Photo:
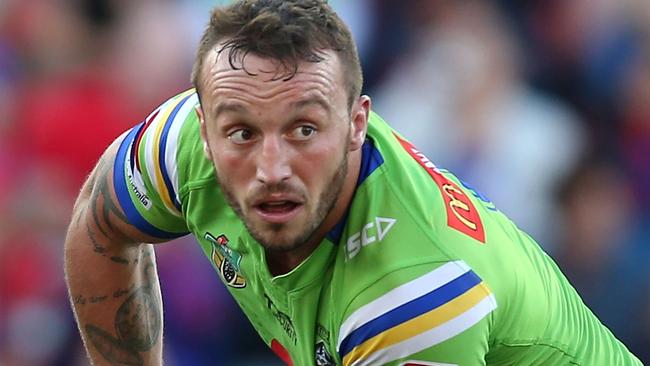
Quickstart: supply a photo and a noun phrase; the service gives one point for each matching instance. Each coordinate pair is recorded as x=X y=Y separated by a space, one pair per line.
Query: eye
x=303 y=132
x=241 y=136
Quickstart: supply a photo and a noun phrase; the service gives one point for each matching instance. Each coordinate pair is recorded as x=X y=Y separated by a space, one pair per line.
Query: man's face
x=279 y=147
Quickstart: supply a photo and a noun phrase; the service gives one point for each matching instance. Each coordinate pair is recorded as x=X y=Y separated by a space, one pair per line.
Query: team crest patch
x=227 y=261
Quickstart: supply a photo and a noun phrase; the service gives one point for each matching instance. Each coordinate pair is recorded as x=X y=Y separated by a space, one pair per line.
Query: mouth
x=278 y=211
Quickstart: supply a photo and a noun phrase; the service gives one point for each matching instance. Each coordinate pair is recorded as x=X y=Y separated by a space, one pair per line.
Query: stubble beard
x=326 y=202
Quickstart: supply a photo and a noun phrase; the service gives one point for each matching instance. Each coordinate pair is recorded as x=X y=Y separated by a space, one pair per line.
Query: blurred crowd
x=543 y=106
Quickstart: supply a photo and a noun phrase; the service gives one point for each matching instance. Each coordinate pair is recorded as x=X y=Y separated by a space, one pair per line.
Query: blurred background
x=544 y=106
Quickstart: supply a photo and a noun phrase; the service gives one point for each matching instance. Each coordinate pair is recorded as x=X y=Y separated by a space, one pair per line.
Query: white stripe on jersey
x=149 y=147
x=172 y=141
x=431 y=337
x=401 y=295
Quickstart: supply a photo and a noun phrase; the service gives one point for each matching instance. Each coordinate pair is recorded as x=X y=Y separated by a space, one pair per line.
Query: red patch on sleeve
x=461 y=212
x=281 y=352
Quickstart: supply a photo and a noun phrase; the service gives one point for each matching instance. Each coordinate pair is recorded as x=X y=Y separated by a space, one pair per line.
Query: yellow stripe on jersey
x=159 y=181
x=423 y=323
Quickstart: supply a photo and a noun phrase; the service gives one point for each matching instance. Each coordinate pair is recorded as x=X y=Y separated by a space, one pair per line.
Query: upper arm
x=99 y=207
x=133 y=189
x=440 y=316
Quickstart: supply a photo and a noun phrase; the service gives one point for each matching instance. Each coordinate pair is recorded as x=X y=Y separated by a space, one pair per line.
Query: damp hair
x=288 y=32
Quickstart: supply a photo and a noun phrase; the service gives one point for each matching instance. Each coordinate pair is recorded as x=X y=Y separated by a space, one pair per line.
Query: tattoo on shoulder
x=138 y=322
x=104 y=210
x=102 y=188
x=97 y=247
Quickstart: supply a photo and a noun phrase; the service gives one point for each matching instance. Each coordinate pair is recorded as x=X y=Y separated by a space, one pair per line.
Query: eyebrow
x=224 y=107
x=312 y=100
x=235 y=107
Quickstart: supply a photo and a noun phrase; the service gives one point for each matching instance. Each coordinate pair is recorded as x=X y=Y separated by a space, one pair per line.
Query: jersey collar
x=371 y=159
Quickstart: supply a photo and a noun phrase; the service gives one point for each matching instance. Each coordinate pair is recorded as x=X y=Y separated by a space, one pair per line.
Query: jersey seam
x=527 y=343
x=423 y=227
x=186 y=188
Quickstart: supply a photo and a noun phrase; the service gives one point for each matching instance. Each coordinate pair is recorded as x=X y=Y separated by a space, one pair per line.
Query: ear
x=359 y=122
x=204 y=131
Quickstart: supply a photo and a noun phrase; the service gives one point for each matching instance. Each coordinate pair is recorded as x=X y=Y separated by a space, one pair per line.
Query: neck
x=283 y=262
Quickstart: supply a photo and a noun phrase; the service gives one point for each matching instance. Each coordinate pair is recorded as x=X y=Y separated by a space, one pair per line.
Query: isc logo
x=371 y=232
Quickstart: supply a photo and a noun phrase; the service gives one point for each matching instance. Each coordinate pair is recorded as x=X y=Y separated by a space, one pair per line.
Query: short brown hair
x=289 y=31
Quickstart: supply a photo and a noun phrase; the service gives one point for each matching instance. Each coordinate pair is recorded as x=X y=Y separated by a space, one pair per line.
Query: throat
x=282 y=262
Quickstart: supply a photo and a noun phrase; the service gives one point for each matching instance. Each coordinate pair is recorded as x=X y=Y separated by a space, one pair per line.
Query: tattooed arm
x=111 y=277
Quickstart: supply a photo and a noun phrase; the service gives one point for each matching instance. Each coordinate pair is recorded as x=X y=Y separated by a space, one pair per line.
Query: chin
x=281 y=243
x=280 y=240
x=283 y=237
x=280 y=247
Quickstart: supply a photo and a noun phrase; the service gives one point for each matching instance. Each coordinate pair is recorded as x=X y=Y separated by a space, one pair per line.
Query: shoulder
x=435 y=198
x=146 y=168
x=168 y=144
x=167 y=125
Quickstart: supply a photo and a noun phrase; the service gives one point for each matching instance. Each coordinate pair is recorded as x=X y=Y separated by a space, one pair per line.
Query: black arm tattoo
x=98 y=299
x=113 y=349
x=119 y=260
x=104 y=209
x=102 y=188
x=138 y=322
x=97 y=247
x=121 y=292
x=94 y=299
x=79 y=300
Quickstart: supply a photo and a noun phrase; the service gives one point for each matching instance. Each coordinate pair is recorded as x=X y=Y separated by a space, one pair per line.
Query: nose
x=273 y=165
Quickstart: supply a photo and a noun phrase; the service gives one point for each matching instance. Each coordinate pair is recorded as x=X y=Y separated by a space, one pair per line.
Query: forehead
x=267 y=79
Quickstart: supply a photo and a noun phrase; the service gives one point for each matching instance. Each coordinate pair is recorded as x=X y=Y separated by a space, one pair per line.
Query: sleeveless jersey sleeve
x=441 y=317
x=146 y=178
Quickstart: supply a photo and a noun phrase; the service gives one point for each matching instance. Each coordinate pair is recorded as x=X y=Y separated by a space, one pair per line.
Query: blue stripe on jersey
x=410 y=310
x=335 y=234
x=123 y=196
x=163 y=149
x=371 y=159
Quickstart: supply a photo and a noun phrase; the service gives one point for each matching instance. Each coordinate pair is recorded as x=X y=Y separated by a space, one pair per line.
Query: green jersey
x=422 y=270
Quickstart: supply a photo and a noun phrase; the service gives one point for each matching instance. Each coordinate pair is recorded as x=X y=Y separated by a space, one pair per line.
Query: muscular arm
x=111 y=277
